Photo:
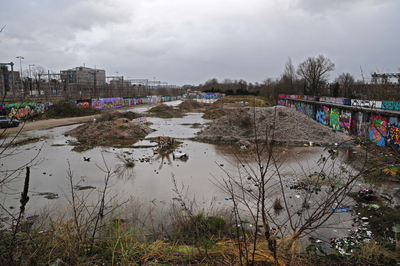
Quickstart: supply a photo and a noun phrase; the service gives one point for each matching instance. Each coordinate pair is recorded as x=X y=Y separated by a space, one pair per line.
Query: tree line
x=312 y=77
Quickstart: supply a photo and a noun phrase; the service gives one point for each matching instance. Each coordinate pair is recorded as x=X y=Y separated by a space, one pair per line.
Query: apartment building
x=84 y=75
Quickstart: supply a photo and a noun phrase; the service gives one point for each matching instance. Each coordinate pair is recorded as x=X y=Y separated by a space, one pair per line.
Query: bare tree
x=289 y=82
x=346 y=82
x=315 y=73
x=290 y=71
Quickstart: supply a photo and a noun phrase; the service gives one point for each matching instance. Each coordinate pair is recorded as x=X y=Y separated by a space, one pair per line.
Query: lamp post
x=20 y=64
x=30 y=78
x=20 y=72
x=30 y=70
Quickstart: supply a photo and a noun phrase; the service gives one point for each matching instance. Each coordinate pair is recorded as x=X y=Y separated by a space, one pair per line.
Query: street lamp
x=30 y=79
x=20 y=64
x=30 y=70
x=20 y=72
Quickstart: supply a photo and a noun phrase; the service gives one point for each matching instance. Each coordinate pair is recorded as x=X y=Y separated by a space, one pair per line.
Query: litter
x=297 y=196
x=180 y=155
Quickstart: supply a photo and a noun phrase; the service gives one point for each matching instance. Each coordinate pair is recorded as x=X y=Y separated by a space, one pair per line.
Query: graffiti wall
x=309 y=110
x=345 y=121
x=300 y=107
x=360 y=124
x=393 y=131
x=107 y=103
x=377 y=131
x=322 y=114
x=127 y=102
x=334 y=119
x=391 y=105
x=84 y=103
x=24 y=110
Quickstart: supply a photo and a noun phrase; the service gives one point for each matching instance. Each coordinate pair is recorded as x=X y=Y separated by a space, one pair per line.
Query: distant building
x=84 y=75
x=6 y=77
x=120 y=82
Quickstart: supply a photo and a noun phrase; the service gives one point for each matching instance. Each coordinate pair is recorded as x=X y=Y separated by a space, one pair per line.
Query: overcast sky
x=191 y=41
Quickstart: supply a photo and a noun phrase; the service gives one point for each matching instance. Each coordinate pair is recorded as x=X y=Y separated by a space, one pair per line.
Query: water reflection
x=165 y=158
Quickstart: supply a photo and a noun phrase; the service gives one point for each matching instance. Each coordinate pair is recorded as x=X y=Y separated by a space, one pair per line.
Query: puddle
x=150 y=180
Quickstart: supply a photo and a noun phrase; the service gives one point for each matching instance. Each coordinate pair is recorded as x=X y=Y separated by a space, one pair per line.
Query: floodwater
x=150 y=180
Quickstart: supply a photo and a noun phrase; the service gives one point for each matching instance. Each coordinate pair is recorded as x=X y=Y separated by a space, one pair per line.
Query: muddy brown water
x=149 y=181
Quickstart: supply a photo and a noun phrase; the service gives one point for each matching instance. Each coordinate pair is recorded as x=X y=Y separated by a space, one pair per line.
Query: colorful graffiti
x=24 y=110
x=83 y=103
x=345 y=121
x=391 y=105
x=300 y=107
x=107 y=103
x=360 y=124
x=377 y=131
x=334 y=119
x=393 y=131
x=309 y=110
x=322 y=114
x=394 y=134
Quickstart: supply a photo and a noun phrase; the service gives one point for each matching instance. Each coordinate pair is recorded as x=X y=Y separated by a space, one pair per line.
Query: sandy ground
x=279 y=123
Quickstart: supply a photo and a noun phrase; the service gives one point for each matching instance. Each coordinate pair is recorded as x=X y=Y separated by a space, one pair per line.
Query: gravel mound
x=279 y=123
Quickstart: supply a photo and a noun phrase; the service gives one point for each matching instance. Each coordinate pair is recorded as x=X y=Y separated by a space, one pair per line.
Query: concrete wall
x=368 y=119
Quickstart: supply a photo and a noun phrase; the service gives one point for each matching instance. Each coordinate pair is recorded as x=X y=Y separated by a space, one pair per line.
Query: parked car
x=6 y=121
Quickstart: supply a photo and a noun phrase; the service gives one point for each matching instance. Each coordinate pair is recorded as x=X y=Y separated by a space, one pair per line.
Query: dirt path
x=50 y=123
